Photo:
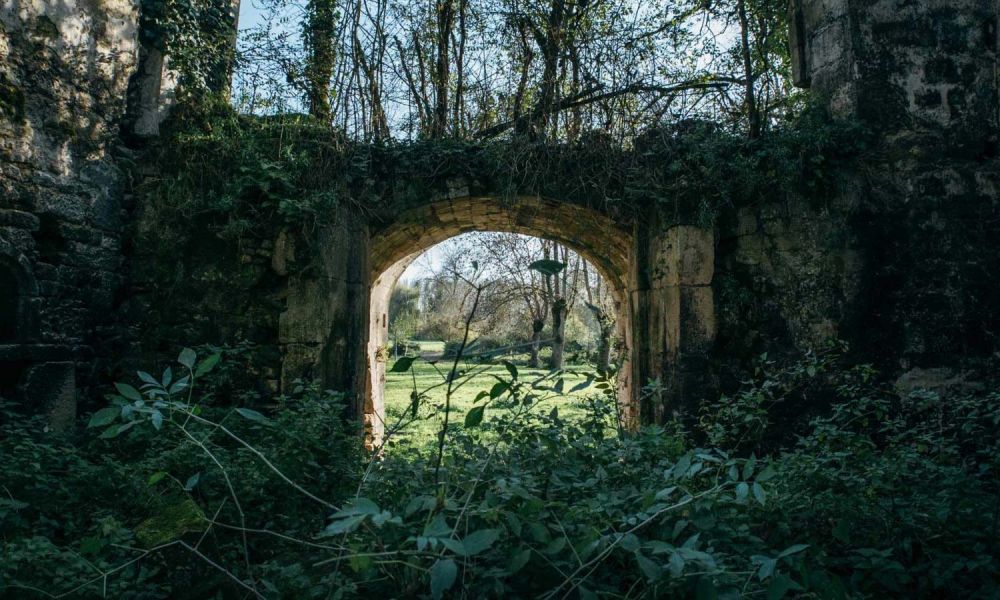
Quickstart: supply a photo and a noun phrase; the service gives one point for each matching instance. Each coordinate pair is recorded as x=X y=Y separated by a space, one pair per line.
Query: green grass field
x=398 y=387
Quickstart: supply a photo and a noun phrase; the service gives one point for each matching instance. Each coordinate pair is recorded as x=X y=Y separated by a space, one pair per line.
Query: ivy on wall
x=248 y=176
x=197 y=35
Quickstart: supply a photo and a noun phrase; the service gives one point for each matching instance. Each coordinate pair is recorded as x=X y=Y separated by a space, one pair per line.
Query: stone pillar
x=674 y=320
x=322 y=331
x=922 y=76
x=929 y=65
x=151 y=94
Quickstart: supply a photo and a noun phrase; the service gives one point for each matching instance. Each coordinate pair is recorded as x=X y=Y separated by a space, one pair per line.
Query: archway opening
x=491 y=305
x=582 y=236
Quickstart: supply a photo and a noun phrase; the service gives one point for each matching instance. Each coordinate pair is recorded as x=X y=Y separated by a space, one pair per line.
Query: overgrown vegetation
x=170 y=493
x=248 y=176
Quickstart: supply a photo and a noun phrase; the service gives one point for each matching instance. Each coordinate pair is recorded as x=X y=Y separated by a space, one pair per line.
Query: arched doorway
x=603 y=242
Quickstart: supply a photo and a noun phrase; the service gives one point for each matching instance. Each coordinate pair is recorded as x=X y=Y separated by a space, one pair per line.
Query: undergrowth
x=175 y=494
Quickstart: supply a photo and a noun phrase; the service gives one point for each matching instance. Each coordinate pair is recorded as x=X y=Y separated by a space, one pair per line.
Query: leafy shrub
x=878 y=495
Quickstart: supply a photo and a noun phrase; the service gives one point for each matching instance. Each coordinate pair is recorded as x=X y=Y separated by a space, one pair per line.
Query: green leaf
x=187 y=358
x=192 y=482
x=116 y=430
x=781 y=584
x=147 y=378
x=157 y=419
x=403 y=364
x=682 y=466
x=518 y=561
x=650 y=569
x=104 y=416
x=767 y=566
x=479 y=541
x=179 y=385
x=475 y=415
x=358 y=506
x=742 y=491
x=454 y=545
x=555 y=546
x=511 y=369
x=676 y=565
x=437 y=527
x=547 y=266
x=582 y=385
x=156 y=478
x=128 y=391
x=207 y=364
x=360 y=563
x=759 y=494
x=793 y=550
x=767 y=474
x=345 y=525
x=252 y=415
x=443 y=575
x=665 y=492
x=498 y=389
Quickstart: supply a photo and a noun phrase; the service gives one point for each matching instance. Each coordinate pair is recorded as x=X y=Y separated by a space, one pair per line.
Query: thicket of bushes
x=178 y=491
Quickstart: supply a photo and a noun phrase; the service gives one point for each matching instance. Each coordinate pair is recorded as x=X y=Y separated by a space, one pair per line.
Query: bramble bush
x=878 y=494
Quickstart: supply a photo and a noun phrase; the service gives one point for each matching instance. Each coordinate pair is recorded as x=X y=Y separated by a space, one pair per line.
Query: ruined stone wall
x=64 y=68
x=900 y=261
x=927 y=84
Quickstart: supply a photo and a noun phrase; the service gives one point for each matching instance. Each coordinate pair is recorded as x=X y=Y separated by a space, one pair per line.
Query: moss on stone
x=46 y=27
x=12 y=100
x=170 y=523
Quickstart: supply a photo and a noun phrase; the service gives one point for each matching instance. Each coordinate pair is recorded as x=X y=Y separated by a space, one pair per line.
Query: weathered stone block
x=51 y=388
x=684 y=255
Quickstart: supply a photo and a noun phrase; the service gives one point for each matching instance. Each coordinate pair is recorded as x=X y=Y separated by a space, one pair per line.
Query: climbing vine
x=249 y=175
x=198 y=36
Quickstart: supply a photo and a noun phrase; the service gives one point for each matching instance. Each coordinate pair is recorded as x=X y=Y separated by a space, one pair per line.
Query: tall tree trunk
x=442 y=69
x=321 y=19
x=559 y=313
x=750 y=100
x=550 y=43
x=537 y=326
x=458 y=117
x=606 y=328
x=604 y=348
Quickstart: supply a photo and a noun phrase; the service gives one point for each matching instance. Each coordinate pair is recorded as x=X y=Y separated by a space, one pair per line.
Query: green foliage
x=877 y=495
x=249 y=176
x=198 y=36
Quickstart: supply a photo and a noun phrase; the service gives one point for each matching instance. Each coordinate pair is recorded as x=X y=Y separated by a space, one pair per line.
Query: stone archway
x=605 y=243
x=661 y=272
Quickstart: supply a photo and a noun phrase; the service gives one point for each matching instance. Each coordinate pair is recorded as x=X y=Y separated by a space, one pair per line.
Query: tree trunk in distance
x=536 y=341
x=559 y=310
x=604 y=349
